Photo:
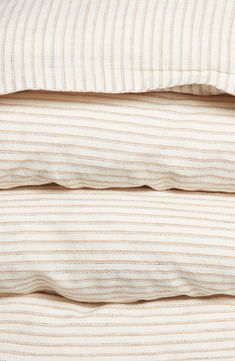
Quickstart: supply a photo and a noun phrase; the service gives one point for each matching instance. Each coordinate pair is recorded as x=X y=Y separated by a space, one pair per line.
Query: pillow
x=116 y=245
x=117 y=46
x=47 y=327
x=163 y=140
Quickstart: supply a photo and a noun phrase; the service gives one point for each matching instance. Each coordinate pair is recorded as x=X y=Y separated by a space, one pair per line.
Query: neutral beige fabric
x=116 y=246
x=117 y=45
x=164 y=140
x=41 y=327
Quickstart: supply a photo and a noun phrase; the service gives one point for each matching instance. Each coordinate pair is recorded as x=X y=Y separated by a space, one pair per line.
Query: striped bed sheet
x=116 y=245
x=163 y=140
x=117 y=46
x=117 y=180
x=46 y=327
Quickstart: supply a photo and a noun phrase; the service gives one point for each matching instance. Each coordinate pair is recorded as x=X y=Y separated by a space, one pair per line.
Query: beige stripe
x=88 y=249
x=33 y=43
x=45 y=29
x=56 y=332
x=94 y=43
x=148 y=64
x=161 y=42
x=53 y=37
x=3 y=42
x=156 y=139
x=74 y=43
x=104 y=31
x=132 y=41
x=22 y=46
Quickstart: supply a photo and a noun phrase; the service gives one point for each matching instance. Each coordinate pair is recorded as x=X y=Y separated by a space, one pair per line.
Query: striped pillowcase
x=45 y=327
x=116 y=245
x=117 y=46
x=163 y=140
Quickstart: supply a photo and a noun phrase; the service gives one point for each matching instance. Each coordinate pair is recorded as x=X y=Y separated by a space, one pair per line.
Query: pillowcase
x=47 y=327
x=117 y=46
x=116 y=245
x=163 y=140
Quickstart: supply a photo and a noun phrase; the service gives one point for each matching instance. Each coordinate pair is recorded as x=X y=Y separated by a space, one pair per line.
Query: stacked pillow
x=117 y=169
x=162 y=140
x=117 y=245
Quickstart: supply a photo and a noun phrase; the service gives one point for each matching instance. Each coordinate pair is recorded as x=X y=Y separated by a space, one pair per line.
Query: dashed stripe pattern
x=116 y=245
x=117 y=46
x=163 y=140
x=47 y=327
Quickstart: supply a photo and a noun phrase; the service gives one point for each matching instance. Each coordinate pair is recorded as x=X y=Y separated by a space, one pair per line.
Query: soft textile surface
x=164 y=140
x=42 y=327
x=117 y=46
x=116 y=246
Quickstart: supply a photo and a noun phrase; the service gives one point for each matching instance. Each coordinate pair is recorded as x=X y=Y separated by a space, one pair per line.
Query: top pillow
x=117 y=46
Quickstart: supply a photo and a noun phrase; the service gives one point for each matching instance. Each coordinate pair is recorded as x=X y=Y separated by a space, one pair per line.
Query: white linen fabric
x=163 y=140
x=117 y=46
x=116 y=245
x=62 y=63
x=46 y=327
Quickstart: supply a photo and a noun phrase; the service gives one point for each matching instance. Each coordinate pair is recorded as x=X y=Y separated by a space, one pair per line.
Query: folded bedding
x=46 y=327
x=116 y=245
x=117 y=180
x=163 y=140
x=117 y=46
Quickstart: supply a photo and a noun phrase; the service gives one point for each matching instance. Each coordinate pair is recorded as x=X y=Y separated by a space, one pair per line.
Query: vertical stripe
x=117 y=46
x=190 y=65
x=23 y=78
x=83 y=37
x=132 y=42
x=3 y=16
x=220 y=41
x=172 y=27
x=93 y=67
x=210 y=36
x=33 y=43
x=201 y=29
x=161 y=44
x=181 y=44
x=142 y=48
x=74 y=43
x=229 y=46
x=53 y=43
x=102 y=60
x=64 y=33
x=5 y=31
x=45 y=28
x=122 y=46
x=113 y=45
x=154 y=23
x=13 y=52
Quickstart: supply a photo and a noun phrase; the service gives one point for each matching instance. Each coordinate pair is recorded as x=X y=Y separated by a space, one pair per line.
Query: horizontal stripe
x=48 y=326
x=78 y=141
x=116 y=245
